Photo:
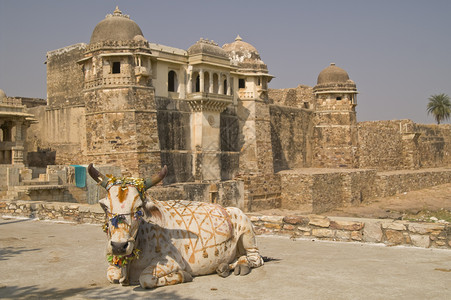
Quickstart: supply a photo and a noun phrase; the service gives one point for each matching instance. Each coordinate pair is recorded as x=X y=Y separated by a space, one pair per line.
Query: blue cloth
x=80 y=176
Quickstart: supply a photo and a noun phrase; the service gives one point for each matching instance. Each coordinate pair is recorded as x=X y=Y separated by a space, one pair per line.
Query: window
x=241 y=83
x=338 y=98
x=197 y=84
x=116 y=67
x=172 y=81
x=225 y=87
x=258 y=81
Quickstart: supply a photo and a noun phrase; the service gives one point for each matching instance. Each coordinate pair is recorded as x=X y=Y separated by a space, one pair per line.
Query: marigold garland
x=121 y=260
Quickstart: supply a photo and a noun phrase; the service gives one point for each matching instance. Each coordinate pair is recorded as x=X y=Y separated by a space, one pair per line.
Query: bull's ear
x=152 y=213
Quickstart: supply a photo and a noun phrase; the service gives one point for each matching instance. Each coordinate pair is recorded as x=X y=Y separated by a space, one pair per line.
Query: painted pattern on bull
x=156 y=243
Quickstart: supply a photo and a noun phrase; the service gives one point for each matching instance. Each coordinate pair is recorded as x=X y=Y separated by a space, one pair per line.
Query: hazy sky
x=397 y=52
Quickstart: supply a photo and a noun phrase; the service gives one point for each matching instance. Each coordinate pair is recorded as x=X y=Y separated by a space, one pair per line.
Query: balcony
x=208 y=101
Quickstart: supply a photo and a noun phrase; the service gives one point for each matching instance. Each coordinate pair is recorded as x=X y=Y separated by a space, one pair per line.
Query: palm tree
x=440 y=106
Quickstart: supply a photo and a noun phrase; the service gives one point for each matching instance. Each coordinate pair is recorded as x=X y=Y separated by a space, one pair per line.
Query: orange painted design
x=122 y=193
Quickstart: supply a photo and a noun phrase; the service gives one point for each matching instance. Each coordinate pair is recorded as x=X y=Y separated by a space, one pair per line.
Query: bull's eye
x=116 y=219
x=138 y=214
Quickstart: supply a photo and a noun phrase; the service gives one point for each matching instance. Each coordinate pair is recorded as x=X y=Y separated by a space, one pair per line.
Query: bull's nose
x=119 y=248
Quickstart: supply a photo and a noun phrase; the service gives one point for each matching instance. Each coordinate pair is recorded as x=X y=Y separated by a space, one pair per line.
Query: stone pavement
x=45 y=260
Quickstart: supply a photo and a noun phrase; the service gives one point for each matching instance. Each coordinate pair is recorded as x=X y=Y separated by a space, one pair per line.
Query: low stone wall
x=389 y=232
x=395 y=182
x=312 y=190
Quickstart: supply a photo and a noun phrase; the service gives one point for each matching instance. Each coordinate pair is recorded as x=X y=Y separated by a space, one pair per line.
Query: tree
x=440 y=107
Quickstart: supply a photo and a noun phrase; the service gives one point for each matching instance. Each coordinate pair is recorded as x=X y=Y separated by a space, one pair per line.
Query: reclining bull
x=158 y=243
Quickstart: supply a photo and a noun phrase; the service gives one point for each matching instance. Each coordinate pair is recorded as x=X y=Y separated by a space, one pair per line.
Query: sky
x=398 y=52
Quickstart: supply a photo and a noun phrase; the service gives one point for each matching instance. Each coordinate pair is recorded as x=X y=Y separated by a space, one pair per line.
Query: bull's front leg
x=162 y=275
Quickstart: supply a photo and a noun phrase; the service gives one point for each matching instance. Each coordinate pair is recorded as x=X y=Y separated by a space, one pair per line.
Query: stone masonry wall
x=261 y=191
x=389 y=232
x=313 y=190
x=319 y=190
x=299 y=97
x=291 y=132
x=434 y=145
x=402 y=144
x=65 y=76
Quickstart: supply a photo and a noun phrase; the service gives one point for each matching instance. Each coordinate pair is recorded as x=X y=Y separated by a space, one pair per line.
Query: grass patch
x=426 y=215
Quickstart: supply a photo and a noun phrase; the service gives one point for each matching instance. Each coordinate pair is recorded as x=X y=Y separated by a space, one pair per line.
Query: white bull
x=160 y=243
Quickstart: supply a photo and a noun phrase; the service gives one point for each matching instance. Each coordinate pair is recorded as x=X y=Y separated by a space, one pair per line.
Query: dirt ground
x=419 y=205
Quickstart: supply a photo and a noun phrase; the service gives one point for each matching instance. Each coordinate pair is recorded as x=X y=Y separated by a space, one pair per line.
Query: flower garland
x=121 y=260
x=123 y=181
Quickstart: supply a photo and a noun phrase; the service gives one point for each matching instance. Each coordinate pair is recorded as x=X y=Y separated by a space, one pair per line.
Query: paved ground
x=43 y=260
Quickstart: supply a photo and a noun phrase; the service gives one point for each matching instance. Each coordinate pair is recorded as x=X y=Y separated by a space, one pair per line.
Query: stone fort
x=131 y=106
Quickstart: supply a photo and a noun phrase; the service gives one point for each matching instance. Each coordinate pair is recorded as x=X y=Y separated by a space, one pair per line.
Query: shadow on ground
x=34 y=292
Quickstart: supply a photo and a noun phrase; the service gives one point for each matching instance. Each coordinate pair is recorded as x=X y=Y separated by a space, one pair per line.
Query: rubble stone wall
x=261 y=191
x=402 y=144
x=64 y=76
x=389 y=232
x=299 y=97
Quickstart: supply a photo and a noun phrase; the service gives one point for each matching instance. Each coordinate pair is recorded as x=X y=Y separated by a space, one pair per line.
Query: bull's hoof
x=186 y=276
x=223 y=270
x=242 y=270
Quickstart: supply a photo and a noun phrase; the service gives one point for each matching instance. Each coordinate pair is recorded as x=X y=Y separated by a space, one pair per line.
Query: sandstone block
x=272 y=219
x=323 y=232
x=440 y=243
x=296 y=220
x=419 y=240
x=272 y=225
x=356 y=235
x=320 y=221
x=394 y=237
x=372 y=232
x=394 y=226
x=346 y=225
x=425 y=228
x=288 y=227
x=343 y=235
x=304 y=228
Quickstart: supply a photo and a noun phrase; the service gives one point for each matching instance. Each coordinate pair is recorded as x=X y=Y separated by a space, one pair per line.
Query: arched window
x=197 y=83
x=172 y=81
x=225 y=86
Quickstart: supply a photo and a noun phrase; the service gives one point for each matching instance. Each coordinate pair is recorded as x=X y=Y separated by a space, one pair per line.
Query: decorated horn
x=97 y=176
x=149 y=182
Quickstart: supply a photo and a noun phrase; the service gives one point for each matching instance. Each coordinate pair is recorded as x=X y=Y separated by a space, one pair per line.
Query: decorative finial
x=332 y=64
x=117 y=11
x=238 y=38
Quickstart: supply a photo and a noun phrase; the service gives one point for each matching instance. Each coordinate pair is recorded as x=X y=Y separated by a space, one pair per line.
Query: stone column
x=189 y=88
x=229 y=92
x=210 y=87
x=220 y=84
x=201 y=81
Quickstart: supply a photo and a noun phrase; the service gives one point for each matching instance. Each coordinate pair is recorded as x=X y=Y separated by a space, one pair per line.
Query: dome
x=239 y=46
x=240 y=51
x=332 y=74
x=115 y=27
x=204 y=46
x=244 y=55
x=2 y=95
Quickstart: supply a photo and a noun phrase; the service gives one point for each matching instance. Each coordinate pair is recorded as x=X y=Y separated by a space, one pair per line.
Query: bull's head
x=123 y=207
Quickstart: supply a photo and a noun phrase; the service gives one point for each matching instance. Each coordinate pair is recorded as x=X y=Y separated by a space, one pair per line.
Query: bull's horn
x=149 y=182
x=97 y=176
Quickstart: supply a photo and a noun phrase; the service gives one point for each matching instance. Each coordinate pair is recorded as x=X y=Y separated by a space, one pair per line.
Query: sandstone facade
x=208 y=114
